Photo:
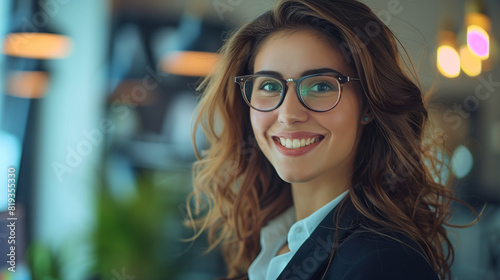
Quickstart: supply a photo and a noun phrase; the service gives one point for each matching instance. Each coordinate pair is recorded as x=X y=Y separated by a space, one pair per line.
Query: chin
x=290 y=176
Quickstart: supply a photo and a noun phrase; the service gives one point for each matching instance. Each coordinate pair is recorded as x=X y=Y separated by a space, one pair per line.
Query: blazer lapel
x=310 y=260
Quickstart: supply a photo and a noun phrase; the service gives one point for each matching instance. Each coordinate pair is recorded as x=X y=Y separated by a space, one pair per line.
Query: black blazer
x=360 y=255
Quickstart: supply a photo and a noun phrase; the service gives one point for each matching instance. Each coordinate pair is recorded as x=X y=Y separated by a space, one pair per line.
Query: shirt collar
x=285 y=227
x=301 y=230
x=280 y=225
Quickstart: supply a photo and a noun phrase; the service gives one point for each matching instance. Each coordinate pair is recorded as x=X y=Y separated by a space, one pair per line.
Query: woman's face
x=330 y=158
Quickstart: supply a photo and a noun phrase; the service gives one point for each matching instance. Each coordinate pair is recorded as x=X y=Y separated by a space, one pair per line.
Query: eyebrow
x=305 y=73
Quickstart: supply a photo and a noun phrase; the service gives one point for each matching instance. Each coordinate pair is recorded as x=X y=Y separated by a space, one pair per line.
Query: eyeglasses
x=317 y=92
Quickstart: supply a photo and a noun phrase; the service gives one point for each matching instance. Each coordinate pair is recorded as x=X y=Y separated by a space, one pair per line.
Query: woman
x=315 y=168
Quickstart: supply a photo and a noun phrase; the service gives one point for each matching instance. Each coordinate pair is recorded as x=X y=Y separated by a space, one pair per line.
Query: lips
x=295 y=143
x=298 y=143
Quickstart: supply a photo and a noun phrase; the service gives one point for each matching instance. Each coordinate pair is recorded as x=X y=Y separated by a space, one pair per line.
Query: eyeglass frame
x=341 y=79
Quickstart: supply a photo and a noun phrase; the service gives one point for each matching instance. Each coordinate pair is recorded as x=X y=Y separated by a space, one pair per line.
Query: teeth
x=297 y=143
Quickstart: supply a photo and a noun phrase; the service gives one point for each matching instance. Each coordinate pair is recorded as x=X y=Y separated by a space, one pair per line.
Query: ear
x=366 y=119
x=366 y=116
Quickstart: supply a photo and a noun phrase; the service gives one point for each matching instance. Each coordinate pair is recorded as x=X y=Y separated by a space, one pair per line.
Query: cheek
x=343 y=122
x=261 y=122
x=344 y=119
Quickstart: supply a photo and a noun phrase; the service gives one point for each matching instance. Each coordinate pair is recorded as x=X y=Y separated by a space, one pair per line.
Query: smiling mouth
x=297 y=143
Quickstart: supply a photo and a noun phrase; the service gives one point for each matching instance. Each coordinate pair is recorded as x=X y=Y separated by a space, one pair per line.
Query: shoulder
x=388 y=256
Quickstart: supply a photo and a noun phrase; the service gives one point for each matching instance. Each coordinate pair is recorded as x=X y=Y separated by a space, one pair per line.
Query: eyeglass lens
x=317 y=92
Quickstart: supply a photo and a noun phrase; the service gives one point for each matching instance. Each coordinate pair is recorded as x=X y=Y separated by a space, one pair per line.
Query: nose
x=291 y=110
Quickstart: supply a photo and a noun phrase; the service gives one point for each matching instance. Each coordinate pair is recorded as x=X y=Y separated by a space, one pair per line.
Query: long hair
x=236 y=189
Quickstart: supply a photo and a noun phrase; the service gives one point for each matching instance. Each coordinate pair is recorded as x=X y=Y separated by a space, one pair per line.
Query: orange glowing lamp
x=27 y=84
x=469 y=62
x=189 y=63
x=37 y=45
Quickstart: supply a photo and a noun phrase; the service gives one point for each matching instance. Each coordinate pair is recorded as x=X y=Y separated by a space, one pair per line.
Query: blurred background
x=95 y=109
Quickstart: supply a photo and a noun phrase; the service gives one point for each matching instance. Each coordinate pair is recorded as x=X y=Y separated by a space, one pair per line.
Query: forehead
x=293 y=52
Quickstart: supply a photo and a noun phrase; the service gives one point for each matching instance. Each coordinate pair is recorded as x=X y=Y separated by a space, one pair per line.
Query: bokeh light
x=470 y=63
x=478 y=41
x=37 y=45
x=189 y=63
x=461 y=161
x=27 y=84
x=448 y=61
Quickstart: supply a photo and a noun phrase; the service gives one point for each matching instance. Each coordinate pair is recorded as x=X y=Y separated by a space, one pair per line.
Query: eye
x=270 y=86
x=321 y=87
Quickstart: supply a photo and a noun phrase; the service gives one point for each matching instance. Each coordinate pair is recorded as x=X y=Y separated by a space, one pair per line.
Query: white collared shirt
x=267 y=265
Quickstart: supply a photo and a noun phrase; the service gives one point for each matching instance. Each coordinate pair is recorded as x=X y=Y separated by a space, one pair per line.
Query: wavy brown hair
x=236 y=189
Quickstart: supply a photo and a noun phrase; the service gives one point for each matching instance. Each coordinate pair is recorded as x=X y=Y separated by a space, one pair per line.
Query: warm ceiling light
x=448 y=61
x=478 y=41
x=478 y=25
x=189 y=63
x=27 y=84
x=37 y=45
x=470 y=63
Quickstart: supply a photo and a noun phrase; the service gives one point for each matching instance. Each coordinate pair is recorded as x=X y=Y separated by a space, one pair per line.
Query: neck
x=311 y=196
